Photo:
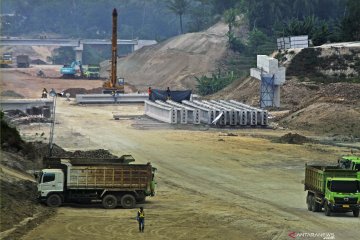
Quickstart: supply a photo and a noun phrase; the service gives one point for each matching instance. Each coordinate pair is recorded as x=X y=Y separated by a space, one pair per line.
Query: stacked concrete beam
x=160 y=112
x=257 y=114
x=192 y=114
x=222 y=113
x=206 y=115
x=216 y=112
x=181 y=114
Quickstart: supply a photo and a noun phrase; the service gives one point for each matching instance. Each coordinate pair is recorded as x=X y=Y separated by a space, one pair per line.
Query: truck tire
x=356 y=212
x=315 y=207
x=54 y=200
x=308 y=202
x=128 y=201
x=327 y=209
x=109 y=202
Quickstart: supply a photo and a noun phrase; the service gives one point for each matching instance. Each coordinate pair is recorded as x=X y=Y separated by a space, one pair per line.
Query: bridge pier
x=79 y=51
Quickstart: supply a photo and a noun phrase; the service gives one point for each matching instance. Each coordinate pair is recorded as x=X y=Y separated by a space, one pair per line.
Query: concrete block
x=279 y=78
x=268 y=64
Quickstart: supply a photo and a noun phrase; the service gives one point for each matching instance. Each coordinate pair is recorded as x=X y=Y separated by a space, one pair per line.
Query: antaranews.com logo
x=325 y=236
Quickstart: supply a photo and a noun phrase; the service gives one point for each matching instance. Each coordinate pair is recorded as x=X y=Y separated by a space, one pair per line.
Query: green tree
x=351 y=21
x=230 y=16
x=179 y=7
x=257 y=41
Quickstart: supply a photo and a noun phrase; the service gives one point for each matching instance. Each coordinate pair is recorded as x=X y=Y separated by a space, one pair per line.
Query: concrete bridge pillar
x=78 y=52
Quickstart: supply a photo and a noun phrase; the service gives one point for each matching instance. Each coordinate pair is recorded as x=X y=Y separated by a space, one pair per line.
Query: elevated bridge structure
x=77 y=44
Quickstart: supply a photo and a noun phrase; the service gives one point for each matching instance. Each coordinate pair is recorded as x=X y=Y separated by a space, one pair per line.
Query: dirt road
x=210 y=186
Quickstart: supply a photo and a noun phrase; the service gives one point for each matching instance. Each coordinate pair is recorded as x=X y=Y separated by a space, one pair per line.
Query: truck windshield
x=357 y=167
x=345 y=186
x=39 y=177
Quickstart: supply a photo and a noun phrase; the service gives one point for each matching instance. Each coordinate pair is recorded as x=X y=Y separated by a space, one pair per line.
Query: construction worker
x=149 y=92
x=44 y=93
x=168 y=92
x=141 y=219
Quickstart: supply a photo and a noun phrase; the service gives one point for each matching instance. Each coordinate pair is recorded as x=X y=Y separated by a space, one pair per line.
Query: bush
x=208 y=85
x=10 y=136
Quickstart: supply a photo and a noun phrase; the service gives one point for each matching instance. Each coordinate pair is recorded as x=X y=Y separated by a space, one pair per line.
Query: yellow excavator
x=114 y=84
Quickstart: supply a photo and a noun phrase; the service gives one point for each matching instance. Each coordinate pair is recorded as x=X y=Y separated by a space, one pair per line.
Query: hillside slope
x=322 y=107
x=175 y=62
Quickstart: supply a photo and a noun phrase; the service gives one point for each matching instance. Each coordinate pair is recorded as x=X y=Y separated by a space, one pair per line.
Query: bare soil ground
x=243 y=187
x=24 y=80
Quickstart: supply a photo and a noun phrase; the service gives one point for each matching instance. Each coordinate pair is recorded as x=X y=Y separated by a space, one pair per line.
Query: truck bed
x=126 y=176
x=315 y=176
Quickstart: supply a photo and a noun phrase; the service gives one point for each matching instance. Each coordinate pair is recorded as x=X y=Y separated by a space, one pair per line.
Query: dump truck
x=332 y=188
x=92 y=71
x=6 y=59
x=22 y=61
x=107 y=181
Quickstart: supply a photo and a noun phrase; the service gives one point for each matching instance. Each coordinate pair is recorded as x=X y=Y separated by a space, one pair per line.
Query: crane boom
x=114 y=48
x=113 y=84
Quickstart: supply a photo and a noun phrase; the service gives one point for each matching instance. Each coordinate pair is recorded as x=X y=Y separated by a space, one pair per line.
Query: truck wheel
x=315 y=207
x=308 y=202
x=54 y=200
x=356 y=212
x=128 y=201
x=327 y=210
x=109 y=201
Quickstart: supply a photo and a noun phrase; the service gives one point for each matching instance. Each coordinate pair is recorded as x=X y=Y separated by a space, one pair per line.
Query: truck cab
x=350 y=162
x=50 y=181
x=342 y=195
x=92 y=71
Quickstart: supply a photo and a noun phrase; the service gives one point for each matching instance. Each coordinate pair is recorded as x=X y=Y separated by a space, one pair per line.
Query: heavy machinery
x=113 y=182
x=92 y=71
x=6 y=59
x=70 y=71
x=114 y=84
x=22 y=61
x=332 y=188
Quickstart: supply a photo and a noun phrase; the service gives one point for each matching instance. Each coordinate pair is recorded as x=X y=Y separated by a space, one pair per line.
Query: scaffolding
x=267 y=91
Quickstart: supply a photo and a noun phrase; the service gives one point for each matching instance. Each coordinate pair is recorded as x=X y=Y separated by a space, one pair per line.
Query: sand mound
x=175 y=62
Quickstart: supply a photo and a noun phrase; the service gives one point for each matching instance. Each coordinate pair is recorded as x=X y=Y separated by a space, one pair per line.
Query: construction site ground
x=211 y=183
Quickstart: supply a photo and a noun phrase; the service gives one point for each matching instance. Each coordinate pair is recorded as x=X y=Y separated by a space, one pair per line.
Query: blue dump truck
x=96 y=180
x=332 y=188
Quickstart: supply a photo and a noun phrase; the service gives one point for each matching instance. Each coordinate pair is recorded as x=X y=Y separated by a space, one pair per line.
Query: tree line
x=161 y=19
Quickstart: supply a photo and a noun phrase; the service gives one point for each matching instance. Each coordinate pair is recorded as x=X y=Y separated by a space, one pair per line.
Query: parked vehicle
x=92 y=71
x=332 y=188
x=108 y=181
x=23 y=61
x=6 y=59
